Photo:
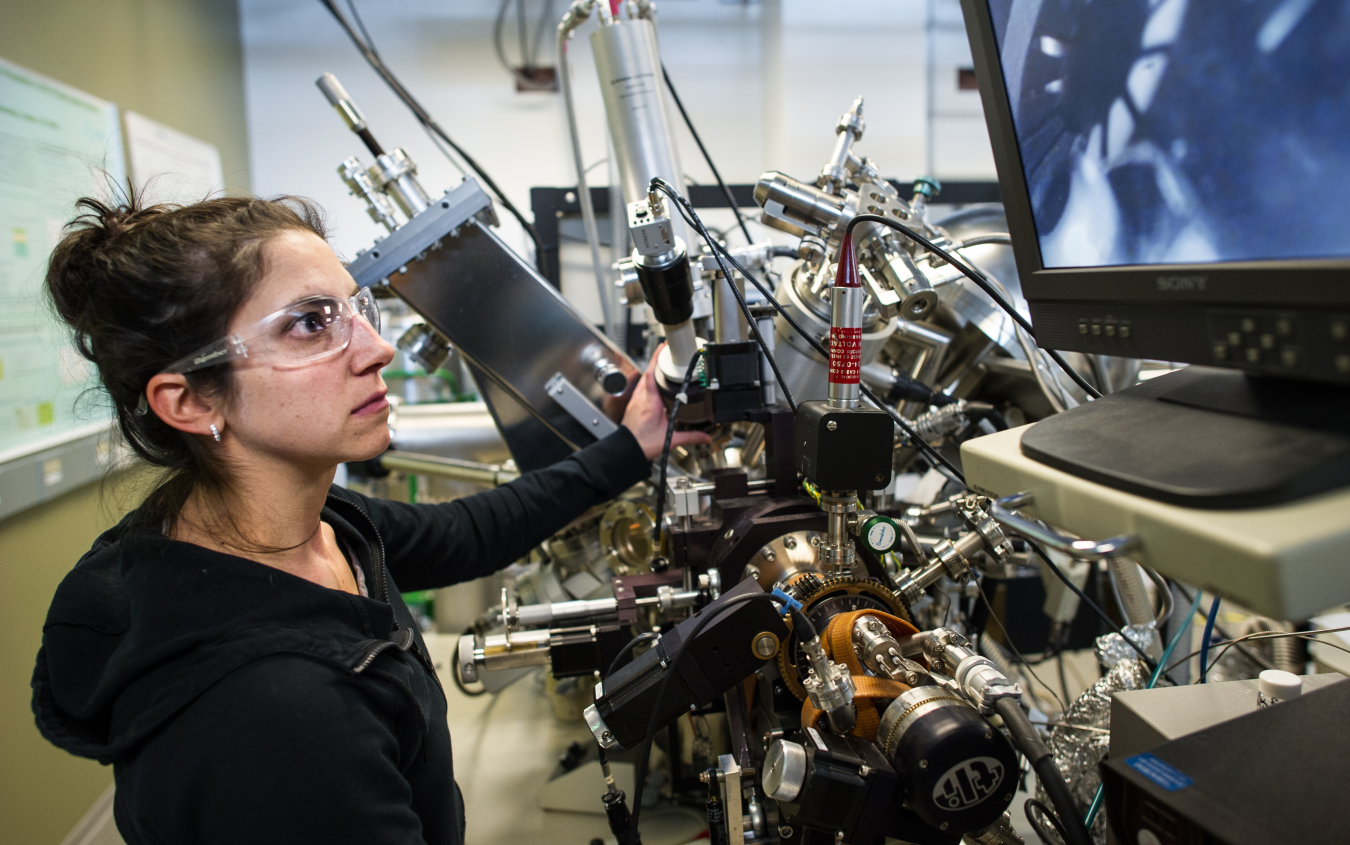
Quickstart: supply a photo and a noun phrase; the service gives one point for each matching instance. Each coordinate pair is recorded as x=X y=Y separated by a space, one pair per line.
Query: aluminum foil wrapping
x=1078 y=749
x=1112 y=648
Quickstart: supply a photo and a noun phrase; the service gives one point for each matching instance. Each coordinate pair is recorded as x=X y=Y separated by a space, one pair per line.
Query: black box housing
x=855 y=455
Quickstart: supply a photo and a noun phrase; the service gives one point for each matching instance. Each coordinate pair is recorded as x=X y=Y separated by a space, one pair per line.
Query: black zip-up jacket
x=241 y=704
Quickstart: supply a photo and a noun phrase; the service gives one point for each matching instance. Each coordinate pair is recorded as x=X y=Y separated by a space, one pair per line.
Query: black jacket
x=238 y=703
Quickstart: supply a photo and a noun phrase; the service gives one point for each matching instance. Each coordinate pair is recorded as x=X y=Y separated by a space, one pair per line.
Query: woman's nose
x=370 y=347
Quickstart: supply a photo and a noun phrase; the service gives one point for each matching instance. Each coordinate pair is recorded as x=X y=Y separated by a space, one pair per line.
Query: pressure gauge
x=880 y=534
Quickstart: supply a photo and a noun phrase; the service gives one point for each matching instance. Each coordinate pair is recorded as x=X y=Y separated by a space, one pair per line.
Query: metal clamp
x=578 y=407
x=1089 y=550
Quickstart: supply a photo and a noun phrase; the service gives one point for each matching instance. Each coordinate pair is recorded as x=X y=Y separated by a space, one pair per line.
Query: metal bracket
x=729 y=779
x=578 y=407
x=444 y=215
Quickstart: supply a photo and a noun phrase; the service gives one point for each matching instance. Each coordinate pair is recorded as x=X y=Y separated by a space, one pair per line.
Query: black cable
x=640 y=775
x=1063 y=679
x=1025 y=737
x=731 y=199
x=1092 y=605
x=1007 y=638
x=691 y=217
x=377 y=64
x=1037 y=825
x=680 y=398
x=978 y=278
x=627 y=650
x=924 y=445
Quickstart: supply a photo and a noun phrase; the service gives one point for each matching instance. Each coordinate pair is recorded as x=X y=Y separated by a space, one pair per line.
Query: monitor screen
x=1180 y=131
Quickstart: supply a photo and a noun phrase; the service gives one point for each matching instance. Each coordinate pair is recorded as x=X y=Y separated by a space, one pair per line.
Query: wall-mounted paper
x=56 y=145
x=169 y=165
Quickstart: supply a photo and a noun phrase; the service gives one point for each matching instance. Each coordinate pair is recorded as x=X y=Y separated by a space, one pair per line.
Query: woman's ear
x=175 y=402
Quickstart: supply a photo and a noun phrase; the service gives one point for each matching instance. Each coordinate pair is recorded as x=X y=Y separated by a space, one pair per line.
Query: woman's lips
x=374 y=404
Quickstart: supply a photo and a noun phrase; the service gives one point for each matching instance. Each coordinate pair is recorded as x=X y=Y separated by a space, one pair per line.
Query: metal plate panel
x=517 y=331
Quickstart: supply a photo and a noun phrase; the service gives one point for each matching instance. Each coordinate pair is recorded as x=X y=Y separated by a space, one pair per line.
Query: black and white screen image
x=1181 y=131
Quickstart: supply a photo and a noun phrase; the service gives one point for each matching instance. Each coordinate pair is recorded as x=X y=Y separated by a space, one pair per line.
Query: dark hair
x=143 y=286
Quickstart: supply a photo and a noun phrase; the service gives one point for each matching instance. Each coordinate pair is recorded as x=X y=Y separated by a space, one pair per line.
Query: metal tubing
x=574 y=17
x=1080 y=549
x=490 y=475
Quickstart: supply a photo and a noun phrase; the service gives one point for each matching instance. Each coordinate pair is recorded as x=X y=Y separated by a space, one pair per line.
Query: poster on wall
x=169 y=165
x=56 y=144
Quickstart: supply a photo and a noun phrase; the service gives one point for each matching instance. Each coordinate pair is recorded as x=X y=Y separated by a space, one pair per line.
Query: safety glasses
x=302 y=333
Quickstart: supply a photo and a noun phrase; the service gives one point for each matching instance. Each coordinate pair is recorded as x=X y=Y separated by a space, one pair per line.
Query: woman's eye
x=308 y=323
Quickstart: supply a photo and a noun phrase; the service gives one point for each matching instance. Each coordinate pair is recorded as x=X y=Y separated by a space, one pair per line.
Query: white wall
x=764 y=82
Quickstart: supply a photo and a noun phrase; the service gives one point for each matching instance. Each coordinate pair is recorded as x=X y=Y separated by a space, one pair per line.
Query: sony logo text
x=1175 y=284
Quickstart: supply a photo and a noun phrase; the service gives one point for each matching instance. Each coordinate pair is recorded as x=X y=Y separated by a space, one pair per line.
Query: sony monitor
x=1176 y=175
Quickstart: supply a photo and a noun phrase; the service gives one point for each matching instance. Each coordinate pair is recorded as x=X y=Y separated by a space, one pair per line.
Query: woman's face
x=322 y=413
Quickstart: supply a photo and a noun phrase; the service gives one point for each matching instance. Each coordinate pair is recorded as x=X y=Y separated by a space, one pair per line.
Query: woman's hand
x=646 y=416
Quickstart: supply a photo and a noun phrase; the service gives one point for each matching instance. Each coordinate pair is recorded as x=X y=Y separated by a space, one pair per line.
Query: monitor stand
x=1205 y=438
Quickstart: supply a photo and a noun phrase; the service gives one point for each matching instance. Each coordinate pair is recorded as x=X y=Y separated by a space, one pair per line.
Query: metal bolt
x=1008 y=797
x=767 y=554
x=789 y=542
x=785 y=831
x=943 y=826
x=923 y=764
x=765 y=646
x=988 y=735
x=606 y=736
x=864 y=770
x=831 y=425
x=730 y=532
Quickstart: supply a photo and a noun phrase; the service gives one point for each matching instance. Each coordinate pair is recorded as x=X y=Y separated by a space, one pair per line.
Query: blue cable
x=1157 y=674
x=1204 y=643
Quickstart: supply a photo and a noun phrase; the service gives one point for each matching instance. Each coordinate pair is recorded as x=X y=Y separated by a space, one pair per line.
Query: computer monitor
x=1176 y=175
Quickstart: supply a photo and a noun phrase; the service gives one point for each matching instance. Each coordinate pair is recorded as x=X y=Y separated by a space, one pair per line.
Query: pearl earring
x=215 y=432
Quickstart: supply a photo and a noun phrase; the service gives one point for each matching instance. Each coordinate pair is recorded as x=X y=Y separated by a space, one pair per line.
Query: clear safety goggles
x=302 y=333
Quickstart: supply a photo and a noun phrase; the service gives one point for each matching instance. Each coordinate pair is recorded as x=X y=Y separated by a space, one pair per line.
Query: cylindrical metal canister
x=846 y=299
x=628 y=62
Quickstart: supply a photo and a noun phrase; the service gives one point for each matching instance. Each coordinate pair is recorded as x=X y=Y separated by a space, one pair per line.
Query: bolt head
x=789 y=542
x=923 y=764
x=944 y=825
x=730 y=533
x=831 y=425
x=988 y=735
x=765 y=646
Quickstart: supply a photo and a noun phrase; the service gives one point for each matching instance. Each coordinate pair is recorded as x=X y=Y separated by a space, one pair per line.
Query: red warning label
x=845 y=355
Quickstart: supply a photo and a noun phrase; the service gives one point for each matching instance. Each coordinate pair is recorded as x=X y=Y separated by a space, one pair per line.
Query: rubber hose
x=1029 y=742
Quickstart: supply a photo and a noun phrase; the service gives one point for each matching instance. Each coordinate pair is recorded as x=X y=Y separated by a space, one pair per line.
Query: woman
x=236 y=647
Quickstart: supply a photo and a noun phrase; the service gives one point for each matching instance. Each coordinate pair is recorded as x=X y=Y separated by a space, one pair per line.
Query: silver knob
x=784 y=770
